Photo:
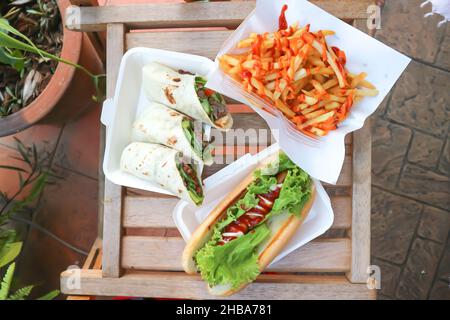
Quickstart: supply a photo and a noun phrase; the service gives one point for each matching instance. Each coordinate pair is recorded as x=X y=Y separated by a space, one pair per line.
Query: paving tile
x=43 y=135
x=425 y=185
x=9 y=179
x=381 y=110
x=389 y=146
x=69 y=209
x=78 y=149
x=419 y=270
x=434 y=224
x=440 y=291
x=390 y=274
x=421 y=99
x=394 y=220
x=444 y=163
x=425 y=150
x=443 y=56
x=404 y=28
x=444 y=268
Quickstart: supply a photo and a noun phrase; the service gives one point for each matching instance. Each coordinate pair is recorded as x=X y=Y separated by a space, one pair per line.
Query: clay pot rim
x=54 y=90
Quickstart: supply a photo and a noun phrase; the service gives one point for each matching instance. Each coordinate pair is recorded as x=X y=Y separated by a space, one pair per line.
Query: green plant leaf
x=7 y=41
x=6 y=282
x=32 y=11
x=37 y=188
x=49 y=296
x=23 y=151
x=15 y=59
x=12 y=168
x=11 y=42
x=7 y=236
x=21 y=293
x=9 y=252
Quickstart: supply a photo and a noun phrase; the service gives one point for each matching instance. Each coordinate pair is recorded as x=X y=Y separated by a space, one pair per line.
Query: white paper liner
x=323 y=160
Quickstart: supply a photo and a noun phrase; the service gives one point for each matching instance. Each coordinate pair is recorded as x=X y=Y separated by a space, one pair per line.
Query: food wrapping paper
x=322 y=158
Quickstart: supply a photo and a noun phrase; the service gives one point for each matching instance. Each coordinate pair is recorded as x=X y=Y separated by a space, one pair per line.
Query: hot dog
x=250 y=226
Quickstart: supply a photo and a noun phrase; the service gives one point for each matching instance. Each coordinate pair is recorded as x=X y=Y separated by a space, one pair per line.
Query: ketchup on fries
x=295 y=70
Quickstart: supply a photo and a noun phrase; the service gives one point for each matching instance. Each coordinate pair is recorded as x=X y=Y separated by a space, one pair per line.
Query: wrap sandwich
x=164 y=166
x=186 y=92
x=250 y=226
x=160 y=124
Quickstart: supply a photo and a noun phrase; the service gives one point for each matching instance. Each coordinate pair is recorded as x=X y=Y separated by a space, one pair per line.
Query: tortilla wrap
x=155 y=163
x=160 y=124
x=177 y=91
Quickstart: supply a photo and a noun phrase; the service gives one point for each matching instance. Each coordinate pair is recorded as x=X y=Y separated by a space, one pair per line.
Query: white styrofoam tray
x=187 y=217
x=129 y=101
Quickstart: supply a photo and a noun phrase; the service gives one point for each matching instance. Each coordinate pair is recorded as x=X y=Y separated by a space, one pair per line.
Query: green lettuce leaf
x=295 y=192
x=234 y=263
x=190 y=185
x=198 y=199
x=285 y=163
x=262 y=183
x=188 y=128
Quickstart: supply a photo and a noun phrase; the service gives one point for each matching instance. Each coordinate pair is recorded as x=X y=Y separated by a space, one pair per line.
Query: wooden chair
x=139 y=249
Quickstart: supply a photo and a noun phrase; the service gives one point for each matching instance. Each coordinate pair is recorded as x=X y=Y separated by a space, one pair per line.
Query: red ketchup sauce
x=252 y=217
x=282 y=22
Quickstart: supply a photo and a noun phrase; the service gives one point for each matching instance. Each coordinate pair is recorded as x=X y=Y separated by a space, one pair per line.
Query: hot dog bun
x=283 y=228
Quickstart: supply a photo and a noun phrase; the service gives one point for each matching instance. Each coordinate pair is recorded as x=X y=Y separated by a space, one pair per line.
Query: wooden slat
x=173 y=15
x=203 y=43
x=181 y=285
x=342 y=208
x=345 y=179
x=139 y=213
x=112 y=228
x=360 y=232
x=90 y=261
x=144 y=253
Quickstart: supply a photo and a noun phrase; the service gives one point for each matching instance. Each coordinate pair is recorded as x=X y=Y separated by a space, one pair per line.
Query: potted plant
x=38 y=59
x=16 y=215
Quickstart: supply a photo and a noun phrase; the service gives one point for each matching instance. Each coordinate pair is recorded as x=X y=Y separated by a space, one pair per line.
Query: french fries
x=296 y=70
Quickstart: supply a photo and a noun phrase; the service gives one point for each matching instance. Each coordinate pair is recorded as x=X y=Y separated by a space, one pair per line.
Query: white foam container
x=129 y=101
x=187 y=217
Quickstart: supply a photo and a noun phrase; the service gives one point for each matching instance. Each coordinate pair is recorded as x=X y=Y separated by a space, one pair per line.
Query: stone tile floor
x=411 y=165
x=411 y=187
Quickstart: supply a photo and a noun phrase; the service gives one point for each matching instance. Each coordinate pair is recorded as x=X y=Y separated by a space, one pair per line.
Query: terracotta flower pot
x=54 y=90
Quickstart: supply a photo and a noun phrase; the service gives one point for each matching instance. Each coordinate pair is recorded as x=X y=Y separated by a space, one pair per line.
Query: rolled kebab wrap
x=186 y=93
x=164 y=166
x=160 y=124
